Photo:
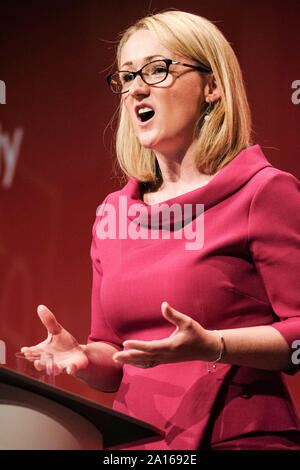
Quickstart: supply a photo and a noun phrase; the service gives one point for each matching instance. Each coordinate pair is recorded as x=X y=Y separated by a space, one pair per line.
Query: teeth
x=145 y=113
x=144 y=110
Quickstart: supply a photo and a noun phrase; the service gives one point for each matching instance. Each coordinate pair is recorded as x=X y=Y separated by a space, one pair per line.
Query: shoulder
x=273 y=184
x=271 y=175
x=128 y=189
x=113 y=197
x=275 y=200
x=252 y=168
x=111 y=201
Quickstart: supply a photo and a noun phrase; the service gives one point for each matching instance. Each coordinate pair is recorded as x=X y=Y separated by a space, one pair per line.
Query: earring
x=208 y=110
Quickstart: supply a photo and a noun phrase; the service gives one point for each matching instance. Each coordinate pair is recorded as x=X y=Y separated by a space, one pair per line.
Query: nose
x=139 y=87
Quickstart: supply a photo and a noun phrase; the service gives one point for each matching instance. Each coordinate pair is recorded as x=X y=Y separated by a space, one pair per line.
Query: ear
x=211 y=91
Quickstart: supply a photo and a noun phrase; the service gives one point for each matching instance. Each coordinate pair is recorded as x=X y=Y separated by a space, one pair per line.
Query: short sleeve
x=274 y=241
x=100 y=330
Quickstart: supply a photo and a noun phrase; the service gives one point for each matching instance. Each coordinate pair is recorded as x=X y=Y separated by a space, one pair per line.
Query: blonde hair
x=227 y=131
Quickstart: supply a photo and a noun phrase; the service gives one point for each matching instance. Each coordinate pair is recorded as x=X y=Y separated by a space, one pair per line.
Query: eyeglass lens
x=152 y=73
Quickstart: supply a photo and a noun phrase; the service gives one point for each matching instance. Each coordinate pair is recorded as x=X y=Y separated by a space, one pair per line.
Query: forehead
x=141 y=47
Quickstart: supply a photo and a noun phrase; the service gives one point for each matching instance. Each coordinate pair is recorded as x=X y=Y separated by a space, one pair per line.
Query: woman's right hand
x=68 y=355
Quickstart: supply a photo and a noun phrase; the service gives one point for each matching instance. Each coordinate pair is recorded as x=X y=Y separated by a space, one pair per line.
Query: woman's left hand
x=189 y=342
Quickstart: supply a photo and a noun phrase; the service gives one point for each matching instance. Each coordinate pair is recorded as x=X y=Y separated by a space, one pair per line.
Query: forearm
x=261 y=347
x=101 y=373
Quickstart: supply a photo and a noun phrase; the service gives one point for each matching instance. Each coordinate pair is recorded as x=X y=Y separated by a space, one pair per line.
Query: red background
x=51 y=53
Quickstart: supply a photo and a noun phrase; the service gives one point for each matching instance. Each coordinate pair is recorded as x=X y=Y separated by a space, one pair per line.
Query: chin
x=149 y=139
x=148 y=143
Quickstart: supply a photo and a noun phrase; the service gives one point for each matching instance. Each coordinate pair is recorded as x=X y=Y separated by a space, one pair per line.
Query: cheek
x=187 y=98
x=183 y=108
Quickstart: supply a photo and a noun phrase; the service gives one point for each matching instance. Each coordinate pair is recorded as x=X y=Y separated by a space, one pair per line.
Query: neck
x=179 y=175
x=178 y=169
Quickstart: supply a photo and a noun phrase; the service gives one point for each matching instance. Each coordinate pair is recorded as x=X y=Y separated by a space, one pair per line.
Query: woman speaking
x=195 y=298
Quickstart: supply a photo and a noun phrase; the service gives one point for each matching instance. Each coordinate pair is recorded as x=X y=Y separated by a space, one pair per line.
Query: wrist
x=218 y=350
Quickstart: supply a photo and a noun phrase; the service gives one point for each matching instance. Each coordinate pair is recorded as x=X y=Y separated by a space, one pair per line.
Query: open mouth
x=144 y=114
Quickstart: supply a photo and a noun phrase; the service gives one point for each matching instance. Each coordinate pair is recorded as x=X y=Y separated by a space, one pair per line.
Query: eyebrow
x=146 y=59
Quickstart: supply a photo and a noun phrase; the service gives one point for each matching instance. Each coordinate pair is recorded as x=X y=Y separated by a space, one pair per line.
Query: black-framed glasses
x=152 y=73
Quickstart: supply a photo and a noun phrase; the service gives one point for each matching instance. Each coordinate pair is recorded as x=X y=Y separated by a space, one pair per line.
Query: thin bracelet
x=221 y=353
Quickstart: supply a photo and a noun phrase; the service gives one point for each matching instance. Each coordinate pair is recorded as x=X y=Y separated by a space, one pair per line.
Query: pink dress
x=237 y=264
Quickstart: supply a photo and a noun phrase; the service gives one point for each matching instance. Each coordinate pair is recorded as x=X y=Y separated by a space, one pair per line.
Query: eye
x=155 y=69
x=126 y=77
x=159 y=69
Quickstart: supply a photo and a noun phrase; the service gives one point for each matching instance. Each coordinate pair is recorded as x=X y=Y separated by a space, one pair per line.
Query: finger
x=31 y=351
x=144 y=361
x=32 y=354
x=143 y=364
x=58 y=368
x=131 y=356
x=71 y=369
x=173 y=316
x=39 y=365
x=146 y=346
x=48 y=320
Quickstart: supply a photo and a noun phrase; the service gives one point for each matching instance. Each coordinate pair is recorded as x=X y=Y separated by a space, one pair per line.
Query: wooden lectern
x=38 y=416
